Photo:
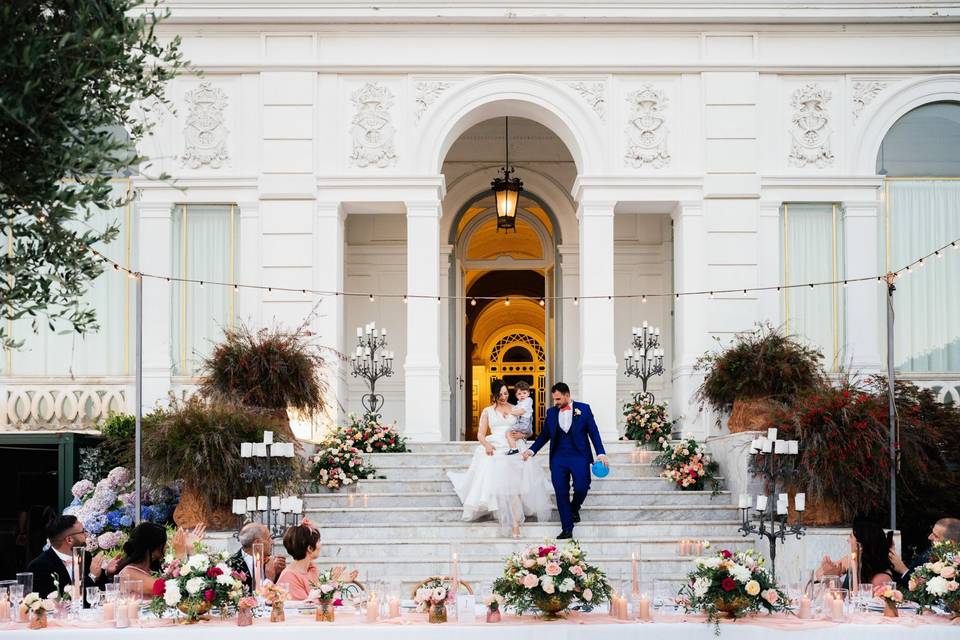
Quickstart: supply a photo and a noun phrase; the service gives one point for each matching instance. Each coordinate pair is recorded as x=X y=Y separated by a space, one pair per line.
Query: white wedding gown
x=504 y=486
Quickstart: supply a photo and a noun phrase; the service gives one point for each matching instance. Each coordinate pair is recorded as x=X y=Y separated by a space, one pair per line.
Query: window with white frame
x=921 y=165
x=60 y=351
x=205 y=240
x=812 y=252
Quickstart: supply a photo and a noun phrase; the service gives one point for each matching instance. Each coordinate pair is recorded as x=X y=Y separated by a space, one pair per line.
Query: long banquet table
x=576 y=626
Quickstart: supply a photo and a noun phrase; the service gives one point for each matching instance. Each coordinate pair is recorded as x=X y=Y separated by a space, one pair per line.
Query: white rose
x=700 y=587
x=740 y=573
x=194 y=585
x=225 y=578
x=546 y=583
x=48 y=605
x=587 y=595
x=542 y=561
x=171 y=593
x=566 y=586
x=937 y=586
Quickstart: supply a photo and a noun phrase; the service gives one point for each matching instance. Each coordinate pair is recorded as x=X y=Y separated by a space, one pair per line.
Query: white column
x=769 y=272
x=422 y=393
x=598 y=361
x=249 y=301
x=689 y=274
x=154 y=251
x=328 y=275
x=865 y=315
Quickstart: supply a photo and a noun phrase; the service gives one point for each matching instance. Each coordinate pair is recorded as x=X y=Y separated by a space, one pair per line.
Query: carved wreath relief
x=593 y=93
x=810 y=127
x=427 y=94
x=863 y=94
x=647 y=129
x=372 y=129
x=205 y=133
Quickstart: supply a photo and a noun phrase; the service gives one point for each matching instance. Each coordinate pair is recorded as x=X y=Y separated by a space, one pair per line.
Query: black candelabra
x=371 y=361
x=644 y=358
x=775 y=461
x=275 y=512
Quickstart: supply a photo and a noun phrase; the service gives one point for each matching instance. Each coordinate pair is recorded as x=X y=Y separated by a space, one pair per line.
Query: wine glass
x=865 y=595
x=93 y=596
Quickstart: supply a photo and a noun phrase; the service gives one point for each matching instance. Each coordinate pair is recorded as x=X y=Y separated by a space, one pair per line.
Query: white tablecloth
x=576 y=627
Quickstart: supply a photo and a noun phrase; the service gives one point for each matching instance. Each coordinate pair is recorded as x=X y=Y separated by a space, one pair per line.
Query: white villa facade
x=664 y=147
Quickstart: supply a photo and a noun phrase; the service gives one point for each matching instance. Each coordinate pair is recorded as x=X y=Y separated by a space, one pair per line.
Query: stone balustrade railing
x=58 y=404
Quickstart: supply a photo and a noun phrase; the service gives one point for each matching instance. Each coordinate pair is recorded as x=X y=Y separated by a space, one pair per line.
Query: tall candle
x=780 y=446
x=4 y=610
x=108 y=609
x=761 y=503
x=804 y=612
x=258 y=558
x=78 y=574
x=133 y=609
x=394 y=607
x=836 y=607
x=635 y=577
x=122 y=619
x=373 y=609
x=268 y=437
x=771 y=434
x=800 y=502
x=455 y=576
x=744 y=501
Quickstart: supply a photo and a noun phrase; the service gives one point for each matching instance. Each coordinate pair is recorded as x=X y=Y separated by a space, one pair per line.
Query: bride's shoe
x=516 y=532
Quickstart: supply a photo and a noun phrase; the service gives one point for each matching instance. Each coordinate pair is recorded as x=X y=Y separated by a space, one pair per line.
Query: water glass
x=111 y=591
x=25 y=579
x=93 y=596
x=665 y=596
x=16 y=594
x=865 y=595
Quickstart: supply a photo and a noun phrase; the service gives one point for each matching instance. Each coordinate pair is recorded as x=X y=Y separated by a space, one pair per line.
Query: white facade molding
x=372 y=129
x=646 y=129
x=810 y=127
x=205 y=129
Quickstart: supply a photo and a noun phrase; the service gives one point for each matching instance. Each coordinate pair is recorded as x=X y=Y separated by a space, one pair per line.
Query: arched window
x=920 y=159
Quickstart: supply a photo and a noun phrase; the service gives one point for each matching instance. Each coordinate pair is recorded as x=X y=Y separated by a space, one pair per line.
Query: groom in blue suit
x=570 y=428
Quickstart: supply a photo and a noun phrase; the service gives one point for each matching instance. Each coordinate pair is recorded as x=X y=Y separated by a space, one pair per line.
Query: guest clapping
x=242 y=560
x=945 y=530
x=302 y=542
x=873 y=560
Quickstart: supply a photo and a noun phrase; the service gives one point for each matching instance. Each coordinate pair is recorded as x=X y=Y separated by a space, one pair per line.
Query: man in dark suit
x=242 y=560
x=570 y=428
x=64 y=533
x=944 y=530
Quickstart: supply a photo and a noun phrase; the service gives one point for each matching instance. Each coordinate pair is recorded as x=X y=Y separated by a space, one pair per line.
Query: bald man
x=242 y=560
x=945 y=529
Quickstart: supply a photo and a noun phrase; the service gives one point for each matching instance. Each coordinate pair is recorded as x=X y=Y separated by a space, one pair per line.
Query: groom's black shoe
x=565 y=535
x=576 y=516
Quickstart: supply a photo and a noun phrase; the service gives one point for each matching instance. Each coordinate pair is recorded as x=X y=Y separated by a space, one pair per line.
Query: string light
x=643 y=300
x=744 y=293
x=506 y=302
x=404 y=299
x=920 y=264
x=576 y=301
x=201 y=284
x=438 y=299
x=371 y=298
x=542 y=303
x=473 y=302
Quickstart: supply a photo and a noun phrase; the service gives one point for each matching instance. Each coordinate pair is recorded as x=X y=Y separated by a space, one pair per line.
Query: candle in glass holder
x=804 y=612
x=835 y=604
x=643 y=608
x=393 y=608
x=133 y=609
x=122 y=617
x=79 y=553
x=258 y=559
x=373 y=609
x=4 y=609
x=108 y=609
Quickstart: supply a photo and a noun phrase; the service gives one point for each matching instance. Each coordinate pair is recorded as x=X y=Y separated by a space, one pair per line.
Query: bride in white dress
x=500 y=484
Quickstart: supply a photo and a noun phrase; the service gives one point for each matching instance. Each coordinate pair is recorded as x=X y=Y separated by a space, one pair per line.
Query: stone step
x=444 y=532
x=417 y=548
x=617 y=446
x=443 y=485
x=428 y=515
x=399 y=471
x=463 y=458
x=597 y=498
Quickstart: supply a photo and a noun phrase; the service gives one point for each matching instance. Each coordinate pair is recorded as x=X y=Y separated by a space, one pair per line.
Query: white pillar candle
x=645 y=324
x=771 y=434
x=800 y=502
x=794 y=447
x=761 y=503
x=767 y=445
x=259 y=450
x=755 y=445
x=246 y=449
x=262 y=503
x=252 y=503
x=239 y=507
x=744 y=501
x=643 y=608
x=781 y=508
x=122 y=615
x=274 y=503
x=268 y=437
x=780 y=446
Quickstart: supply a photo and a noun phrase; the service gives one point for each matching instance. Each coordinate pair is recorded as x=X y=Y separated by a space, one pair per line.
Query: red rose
x=159 y=586
x=338 y=602
x=213 y=572
x=728 y=584
x=726 y=554
x=209 y=594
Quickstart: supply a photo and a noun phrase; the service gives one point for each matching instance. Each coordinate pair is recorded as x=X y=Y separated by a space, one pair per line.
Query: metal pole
x=138 y=396
x=891 y=408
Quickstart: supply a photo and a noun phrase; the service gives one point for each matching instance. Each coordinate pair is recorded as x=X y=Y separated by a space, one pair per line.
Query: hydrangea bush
x=106 y=508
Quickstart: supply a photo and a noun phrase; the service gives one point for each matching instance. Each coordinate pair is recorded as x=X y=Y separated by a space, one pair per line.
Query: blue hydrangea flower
x=114 y=519
x=96 y=524
x=126 y=520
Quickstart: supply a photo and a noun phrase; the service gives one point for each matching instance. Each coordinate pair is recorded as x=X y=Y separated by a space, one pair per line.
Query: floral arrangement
x=33 y=603
x=732 y=584
x=432 y=591
x=196 y=585
x=273 y=593
x=688 y=465
x=647 y=422
x=540 y=574
x=368 y=434
x=106 y=508
x=329 y=586
x=935 y=583
x=888 y=594
x=494 y=602
x=337 y=464
x=247 y=602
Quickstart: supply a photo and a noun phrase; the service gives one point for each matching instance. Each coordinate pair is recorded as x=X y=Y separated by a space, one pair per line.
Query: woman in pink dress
x=302 y=542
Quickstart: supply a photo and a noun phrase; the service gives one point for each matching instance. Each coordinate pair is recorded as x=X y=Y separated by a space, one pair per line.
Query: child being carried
x=524 y=413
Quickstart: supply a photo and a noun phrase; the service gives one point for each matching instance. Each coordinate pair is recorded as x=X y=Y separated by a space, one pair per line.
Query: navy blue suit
x=570 y=457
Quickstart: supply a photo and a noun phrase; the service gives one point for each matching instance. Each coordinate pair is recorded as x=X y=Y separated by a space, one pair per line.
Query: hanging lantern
x=506 y=190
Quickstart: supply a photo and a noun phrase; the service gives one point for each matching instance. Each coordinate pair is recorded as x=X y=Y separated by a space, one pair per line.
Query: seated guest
x=302 y=542
x=873 y=561
x=143 y=552
x=242 y=560
x=64 y=533
x=945 y=529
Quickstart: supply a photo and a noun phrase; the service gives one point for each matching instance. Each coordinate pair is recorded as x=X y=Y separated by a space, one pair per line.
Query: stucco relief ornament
x=593 y=93
x=205 y=133
x=863 y=94
x=810 y=127
x=372 y=129
x=427 y=94
x=647 y=129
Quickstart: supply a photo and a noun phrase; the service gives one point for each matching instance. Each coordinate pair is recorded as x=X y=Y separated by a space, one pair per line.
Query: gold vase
x=195 y=611
x=244 y=616
x=38 y=619
x=551 y=606
x=890 y=609
x=276 y=612
x=325 y=612
x=437 y=614
x=731 y=609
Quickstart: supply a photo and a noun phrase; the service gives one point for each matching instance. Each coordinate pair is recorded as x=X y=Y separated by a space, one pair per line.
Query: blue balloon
x=600 y=470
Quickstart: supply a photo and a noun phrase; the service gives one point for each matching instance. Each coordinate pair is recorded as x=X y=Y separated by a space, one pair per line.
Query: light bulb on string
x=844 y=284
x=711 y=295
x=269 y=290
x=404 y=299
x=371 y=298
x=304 y=292
x=542 y=303
x=506 y=302
x=438 y=299
x=744 y=293
x=201 y=284
x=576 y=301
x=643 y=299
x=921 y=263
x=473 y=302
x=937 y=253
x=810 y=285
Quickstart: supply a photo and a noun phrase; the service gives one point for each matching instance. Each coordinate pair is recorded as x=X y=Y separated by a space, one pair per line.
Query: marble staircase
x=403 y=525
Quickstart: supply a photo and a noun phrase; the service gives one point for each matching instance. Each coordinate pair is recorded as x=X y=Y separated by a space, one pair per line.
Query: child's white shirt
x=525 y=422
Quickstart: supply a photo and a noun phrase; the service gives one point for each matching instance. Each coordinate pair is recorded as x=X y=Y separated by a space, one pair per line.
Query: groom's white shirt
x=565 y=419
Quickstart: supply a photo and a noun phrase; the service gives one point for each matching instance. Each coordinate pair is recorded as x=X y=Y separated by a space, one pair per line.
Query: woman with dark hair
x=144 y=550
x=873 y=559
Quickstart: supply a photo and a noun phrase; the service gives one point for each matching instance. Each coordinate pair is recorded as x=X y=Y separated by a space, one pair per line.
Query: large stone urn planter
x=753 y=414
x=193 y=509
